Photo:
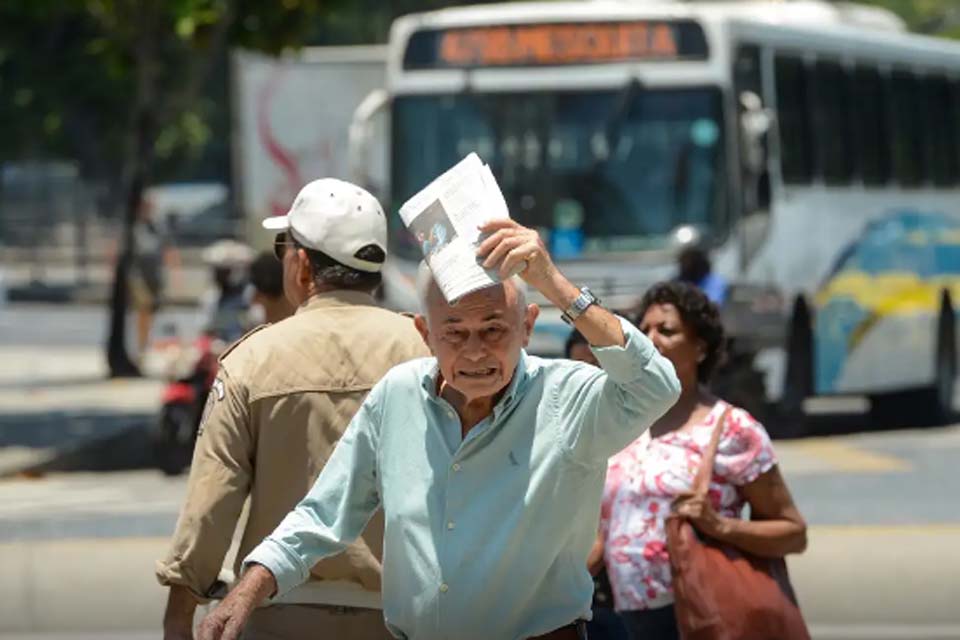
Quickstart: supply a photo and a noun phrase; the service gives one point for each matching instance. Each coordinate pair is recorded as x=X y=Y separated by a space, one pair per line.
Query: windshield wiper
x=617 y=117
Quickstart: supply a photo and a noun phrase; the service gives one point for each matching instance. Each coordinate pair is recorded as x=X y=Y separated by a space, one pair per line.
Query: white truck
x=291 y=121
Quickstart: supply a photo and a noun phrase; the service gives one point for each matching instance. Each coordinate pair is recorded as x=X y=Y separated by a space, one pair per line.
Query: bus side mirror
x=361 y=137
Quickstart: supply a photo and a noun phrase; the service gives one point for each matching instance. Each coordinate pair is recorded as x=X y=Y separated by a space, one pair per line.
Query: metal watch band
x=578 y=306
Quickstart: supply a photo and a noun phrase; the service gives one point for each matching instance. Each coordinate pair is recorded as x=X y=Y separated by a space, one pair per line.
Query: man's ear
x=304 y=269
x=529 y=319
x=420 y=322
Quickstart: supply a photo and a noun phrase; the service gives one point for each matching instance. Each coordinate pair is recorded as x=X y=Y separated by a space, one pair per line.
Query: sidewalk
x=59 y=410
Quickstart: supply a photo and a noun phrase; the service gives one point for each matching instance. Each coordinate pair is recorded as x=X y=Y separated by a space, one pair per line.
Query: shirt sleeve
x=336 y=509
x=745 y=451
x=217 y=487
x=601 y=411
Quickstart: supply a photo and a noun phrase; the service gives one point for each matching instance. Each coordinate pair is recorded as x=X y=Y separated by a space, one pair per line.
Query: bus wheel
x=798 y=381
x=932 y=405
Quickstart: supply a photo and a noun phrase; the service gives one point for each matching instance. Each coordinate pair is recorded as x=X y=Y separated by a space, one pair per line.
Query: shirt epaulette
x=234 y=345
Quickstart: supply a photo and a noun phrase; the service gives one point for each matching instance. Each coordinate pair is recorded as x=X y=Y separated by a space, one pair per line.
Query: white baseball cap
x=336 y=218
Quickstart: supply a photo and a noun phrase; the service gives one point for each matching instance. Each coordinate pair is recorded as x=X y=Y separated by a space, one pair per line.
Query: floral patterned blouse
x=642 y=482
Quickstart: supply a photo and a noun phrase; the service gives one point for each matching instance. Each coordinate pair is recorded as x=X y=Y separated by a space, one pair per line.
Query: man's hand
x=178 y=617
x=515 y=249
x=226 y=622
x=512 y=248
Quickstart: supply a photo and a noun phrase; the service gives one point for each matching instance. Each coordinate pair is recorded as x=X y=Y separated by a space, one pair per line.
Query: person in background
x=605 y=624
x=693 y=266
x=268 y=302
x=577 y=348
x=653 y=477
x=282 y=399
x=225 y=307
x=153 y=253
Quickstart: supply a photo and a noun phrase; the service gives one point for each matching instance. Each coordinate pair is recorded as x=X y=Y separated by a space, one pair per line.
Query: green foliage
x=934 y=17
x=72 y=72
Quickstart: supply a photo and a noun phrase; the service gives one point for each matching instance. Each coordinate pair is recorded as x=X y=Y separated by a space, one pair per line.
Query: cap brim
x=277 y=223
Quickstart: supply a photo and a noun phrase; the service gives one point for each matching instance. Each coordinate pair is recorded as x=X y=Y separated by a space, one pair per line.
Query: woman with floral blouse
x=653 y=476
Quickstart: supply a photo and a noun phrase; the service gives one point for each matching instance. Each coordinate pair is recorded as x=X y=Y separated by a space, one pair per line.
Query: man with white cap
x=283 y=396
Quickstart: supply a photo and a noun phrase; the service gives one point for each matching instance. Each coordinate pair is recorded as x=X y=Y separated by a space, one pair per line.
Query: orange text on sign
x=553 y=44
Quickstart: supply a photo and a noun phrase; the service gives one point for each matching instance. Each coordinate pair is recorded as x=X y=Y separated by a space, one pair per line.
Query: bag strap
x=701 y=484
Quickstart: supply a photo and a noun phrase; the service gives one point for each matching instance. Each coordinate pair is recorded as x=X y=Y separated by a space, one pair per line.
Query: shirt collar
x=337 y=298
x=514 y=390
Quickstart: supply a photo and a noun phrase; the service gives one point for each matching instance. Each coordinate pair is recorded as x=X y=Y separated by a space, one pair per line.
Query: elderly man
x=488 y=463
x=283 y=397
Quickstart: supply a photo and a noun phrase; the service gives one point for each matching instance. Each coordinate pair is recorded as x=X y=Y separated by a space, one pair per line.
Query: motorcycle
x=191 y=369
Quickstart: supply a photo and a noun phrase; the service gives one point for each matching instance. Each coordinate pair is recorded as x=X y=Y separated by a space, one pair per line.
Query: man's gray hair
x=425 y=282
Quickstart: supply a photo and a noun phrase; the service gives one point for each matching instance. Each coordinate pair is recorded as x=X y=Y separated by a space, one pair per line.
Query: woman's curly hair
x=698 y=314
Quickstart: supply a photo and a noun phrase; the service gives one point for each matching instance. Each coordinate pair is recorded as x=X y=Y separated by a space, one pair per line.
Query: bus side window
x=870 y=116
x=831 y=122
x=754 y=121
x=792 y=119
x=909 y=158
x=941 y=129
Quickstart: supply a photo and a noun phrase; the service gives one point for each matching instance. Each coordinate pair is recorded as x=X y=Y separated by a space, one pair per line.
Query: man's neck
x=276 y=310
x=471 y=411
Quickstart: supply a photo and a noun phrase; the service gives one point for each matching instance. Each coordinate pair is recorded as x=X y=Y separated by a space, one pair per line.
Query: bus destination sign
x=555 y=44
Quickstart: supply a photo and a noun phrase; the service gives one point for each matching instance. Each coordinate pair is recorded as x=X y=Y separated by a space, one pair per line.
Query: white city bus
x=813 y=149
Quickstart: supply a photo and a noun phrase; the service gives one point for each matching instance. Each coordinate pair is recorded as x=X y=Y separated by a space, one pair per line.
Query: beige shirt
x=283 y=397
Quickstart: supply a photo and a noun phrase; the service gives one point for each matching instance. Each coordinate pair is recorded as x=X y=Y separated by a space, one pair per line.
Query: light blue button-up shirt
x=486 y=536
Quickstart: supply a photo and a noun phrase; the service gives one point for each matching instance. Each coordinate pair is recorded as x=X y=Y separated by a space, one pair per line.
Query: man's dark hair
x=266 y=274
x=700 y=315
x=573 y=339
x=329 y=272
x=693 y=265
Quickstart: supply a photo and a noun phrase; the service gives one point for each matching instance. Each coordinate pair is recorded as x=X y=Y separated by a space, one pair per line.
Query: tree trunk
x=118 y=359
x=140 y=153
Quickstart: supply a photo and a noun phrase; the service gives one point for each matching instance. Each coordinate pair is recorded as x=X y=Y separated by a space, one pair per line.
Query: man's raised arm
x=604 y=410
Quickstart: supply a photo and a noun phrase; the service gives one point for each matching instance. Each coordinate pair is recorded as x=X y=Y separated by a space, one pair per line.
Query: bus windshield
x=605 y=171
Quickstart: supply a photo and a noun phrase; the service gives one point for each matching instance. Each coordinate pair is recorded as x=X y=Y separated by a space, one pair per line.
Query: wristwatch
x=578 y=306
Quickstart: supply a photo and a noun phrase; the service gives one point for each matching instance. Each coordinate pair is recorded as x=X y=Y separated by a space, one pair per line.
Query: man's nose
x=473 y=348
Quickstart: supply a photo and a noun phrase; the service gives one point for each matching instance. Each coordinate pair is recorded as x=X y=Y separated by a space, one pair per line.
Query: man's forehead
x=487 y=304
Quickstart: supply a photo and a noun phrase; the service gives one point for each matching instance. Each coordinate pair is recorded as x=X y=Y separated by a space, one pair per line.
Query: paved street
x=78 y=548
x=881 y=563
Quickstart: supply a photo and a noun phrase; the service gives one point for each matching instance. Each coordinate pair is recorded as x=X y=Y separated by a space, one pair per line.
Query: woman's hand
x=700 y=513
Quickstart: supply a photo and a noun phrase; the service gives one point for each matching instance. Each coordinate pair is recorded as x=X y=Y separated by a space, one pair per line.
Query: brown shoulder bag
x=721 y=592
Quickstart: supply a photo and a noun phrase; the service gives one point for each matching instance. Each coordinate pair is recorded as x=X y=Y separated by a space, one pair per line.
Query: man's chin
x=475 y=388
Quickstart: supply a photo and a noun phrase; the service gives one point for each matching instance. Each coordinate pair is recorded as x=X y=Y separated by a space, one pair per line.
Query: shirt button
x=444 y=588
x=451 y=524
x=452 y=414
x=456 y=466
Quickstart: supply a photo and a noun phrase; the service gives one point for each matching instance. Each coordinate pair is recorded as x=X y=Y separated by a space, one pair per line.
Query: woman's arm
x=775 y=528
x=595 y=557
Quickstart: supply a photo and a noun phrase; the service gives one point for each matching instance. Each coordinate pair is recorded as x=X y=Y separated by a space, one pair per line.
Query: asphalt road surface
x=77 y=549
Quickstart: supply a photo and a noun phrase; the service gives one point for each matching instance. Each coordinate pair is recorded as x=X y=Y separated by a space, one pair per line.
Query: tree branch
x=200 y=72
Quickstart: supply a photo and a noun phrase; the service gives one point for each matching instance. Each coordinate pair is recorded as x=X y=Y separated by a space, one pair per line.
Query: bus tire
x=931 y=405
x=798 y=380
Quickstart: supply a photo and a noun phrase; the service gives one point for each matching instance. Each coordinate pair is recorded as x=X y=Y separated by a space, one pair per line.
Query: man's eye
x=493 y=332
x=454 y=336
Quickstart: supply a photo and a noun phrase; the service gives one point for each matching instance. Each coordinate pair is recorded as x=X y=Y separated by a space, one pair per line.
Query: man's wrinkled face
x=478 y=341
